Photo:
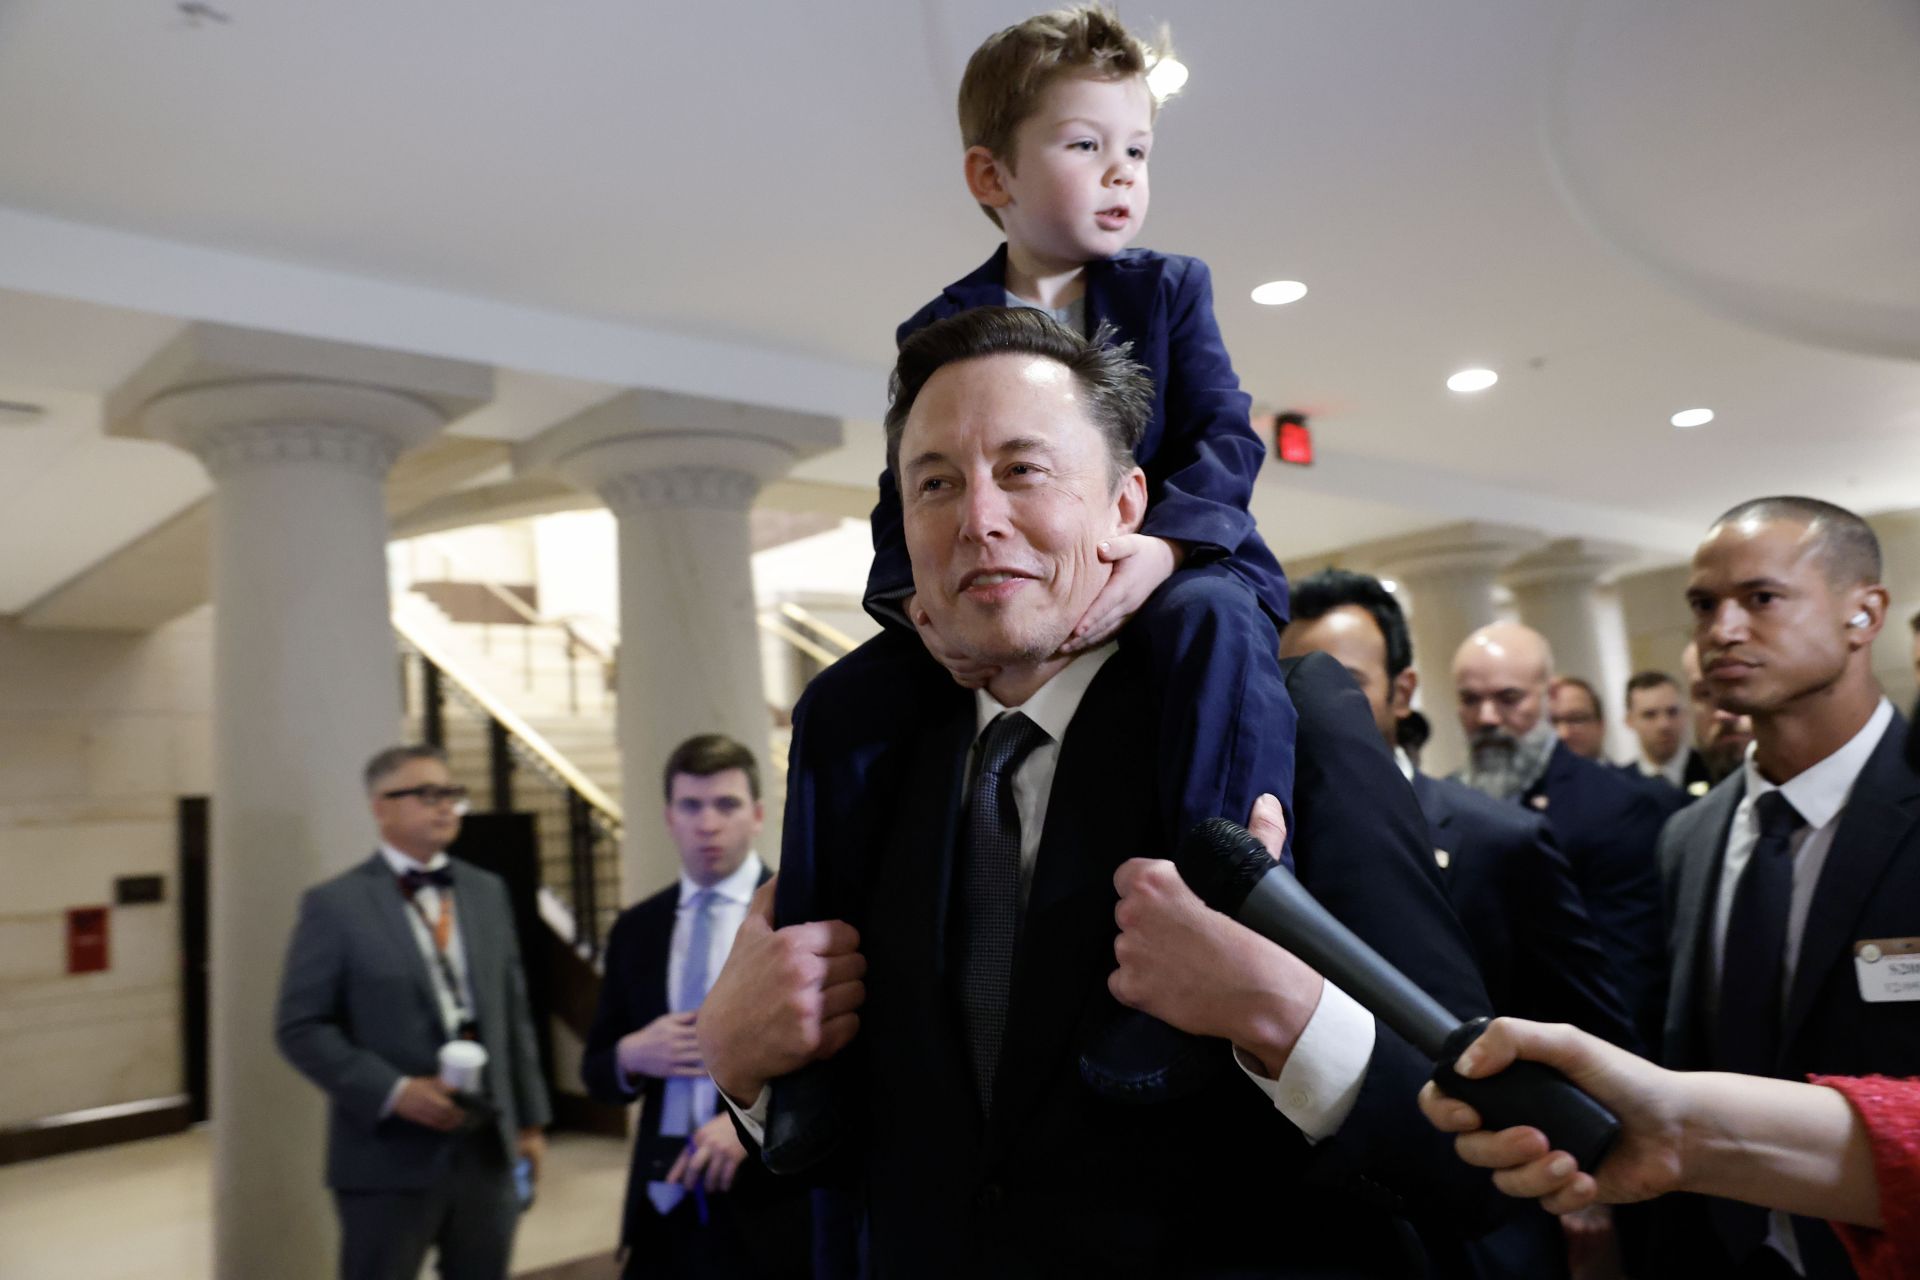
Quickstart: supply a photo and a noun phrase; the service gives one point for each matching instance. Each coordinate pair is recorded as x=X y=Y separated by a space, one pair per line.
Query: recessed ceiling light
x=1472 y=380
x=1278 y=293
x=1692 y=418
x=1166 y=78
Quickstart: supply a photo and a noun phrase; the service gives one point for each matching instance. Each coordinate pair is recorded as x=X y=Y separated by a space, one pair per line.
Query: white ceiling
x=1626 y=208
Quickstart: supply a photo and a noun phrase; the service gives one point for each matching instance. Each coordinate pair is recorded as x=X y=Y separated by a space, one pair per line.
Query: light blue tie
x=687 y=1102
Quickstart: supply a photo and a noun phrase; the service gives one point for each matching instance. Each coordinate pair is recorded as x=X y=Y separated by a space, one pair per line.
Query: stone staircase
x=558 y=686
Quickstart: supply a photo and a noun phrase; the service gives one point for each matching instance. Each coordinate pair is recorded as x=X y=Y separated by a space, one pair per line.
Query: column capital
x=268 y=421
x=1567 y=561
x=1471 y=546
x=646 y=448
x=239 y=397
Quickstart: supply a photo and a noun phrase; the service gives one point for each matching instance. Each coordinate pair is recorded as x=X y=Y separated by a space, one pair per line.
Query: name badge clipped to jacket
x=1888 y=969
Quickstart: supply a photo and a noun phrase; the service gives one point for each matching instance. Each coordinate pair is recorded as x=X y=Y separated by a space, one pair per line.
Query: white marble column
x=1653 y=605
x=1445 y=580
x=1557 y=591
x=1899 y=534
x=680 y=473
x=298 y=438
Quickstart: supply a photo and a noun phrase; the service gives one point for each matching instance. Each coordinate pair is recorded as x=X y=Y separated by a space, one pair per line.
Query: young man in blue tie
x=695 y=1206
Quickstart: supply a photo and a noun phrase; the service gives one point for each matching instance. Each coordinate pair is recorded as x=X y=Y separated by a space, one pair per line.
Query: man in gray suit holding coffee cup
x=403 y=998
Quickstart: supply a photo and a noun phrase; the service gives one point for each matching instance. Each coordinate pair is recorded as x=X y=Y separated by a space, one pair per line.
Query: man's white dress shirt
x=1819 y=795
x=729 y=909
x=455 y=1005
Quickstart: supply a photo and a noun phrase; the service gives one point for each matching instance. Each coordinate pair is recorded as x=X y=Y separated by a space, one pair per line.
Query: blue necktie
x=687 y=1102
x=990 y=895
x=1752 y=981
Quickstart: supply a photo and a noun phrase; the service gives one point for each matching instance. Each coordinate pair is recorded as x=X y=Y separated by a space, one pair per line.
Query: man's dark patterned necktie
x=990 y=894
x=1752 y=981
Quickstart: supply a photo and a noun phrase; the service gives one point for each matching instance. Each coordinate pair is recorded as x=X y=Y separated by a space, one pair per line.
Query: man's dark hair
x=1575 y=682
x=1847 y=543
x=1330 y=589
x=706 y=754
x=1916 y=622
x=390 y=760
x=1648 y=680
x=1117 y=392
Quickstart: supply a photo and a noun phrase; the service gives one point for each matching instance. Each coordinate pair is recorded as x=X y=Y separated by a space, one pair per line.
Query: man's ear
x=1401 y=693
x=1871 y=601
x=1130 y=501
x=986 y=178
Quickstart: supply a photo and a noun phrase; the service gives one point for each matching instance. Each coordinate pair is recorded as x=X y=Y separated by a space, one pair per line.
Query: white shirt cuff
x=755 y=1116
x=1321 y=1081
x=393 y=1097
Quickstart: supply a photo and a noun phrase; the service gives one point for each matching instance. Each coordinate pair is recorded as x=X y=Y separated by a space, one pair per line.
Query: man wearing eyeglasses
x=389 y=962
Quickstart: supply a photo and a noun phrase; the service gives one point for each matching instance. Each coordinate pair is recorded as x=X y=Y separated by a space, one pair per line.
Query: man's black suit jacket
x=1695 y=783
x=1868 y=888
x=1608 y=826
x=1209 y=1179
x=1537 y=947
x=633 y=993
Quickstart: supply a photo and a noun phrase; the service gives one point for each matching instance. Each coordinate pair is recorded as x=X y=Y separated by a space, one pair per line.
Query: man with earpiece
x=1793 y=887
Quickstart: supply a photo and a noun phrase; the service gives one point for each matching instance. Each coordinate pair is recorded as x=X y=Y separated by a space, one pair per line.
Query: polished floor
x=54 y=1213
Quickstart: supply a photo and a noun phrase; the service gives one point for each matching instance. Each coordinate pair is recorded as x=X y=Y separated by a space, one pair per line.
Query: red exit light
x=1293 y=439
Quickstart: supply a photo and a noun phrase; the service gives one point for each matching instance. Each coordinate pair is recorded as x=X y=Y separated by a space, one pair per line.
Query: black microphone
x=1233 y=873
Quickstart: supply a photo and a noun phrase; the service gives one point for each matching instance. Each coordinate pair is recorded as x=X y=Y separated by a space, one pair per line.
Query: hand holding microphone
x=1234 y=874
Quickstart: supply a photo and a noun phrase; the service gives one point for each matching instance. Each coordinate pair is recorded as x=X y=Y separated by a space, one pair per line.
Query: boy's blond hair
x=1008 y=73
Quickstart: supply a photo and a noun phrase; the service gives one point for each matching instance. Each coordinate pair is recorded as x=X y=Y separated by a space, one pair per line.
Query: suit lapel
x=476 y=937
x=1880 y=814
x=1437 y=809
x=1069 y=910
x=388 y=905
x=1118 y=288
x=1691 y=927
x=907 y=930
x=985 y=286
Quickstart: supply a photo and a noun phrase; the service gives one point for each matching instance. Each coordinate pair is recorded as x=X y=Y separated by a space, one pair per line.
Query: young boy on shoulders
x=1057 y=119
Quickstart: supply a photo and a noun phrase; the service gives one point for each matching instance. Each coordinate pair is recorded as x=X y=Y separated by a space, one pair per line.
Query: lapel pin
x=1442 y=857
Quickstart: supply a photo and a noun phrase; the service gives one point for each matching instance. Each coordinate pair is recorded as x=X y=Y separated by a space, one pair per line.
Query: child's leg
x=1226 y=722
x=843 y=726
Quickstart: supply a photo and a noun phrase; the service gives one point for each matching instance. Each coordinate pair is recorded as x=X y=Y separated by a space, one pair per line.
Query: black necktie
x=1752 y=978
x=990 y=894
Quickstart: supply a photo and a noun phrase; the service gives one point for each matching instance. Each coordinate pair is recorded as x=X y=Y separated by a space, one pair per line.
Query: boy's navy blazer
x=1868 y=889
x=1199 y=451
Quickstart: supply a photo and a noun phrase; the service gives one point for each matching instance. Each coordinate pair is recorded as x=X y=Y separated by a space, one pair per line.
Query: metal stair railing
x=577 y=824
x=576 y=638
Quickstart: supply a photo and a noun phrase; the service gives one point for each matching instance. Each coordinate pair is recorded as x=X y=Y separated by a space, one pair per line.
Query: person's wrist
x=1178 y=550
x=1702 y=1148
x=740 y=1085
x=1276 y=1009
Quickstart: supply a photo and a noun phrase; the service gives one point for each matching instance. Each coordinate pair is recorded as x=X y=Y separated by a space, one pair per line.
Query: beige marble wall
x=100 y=733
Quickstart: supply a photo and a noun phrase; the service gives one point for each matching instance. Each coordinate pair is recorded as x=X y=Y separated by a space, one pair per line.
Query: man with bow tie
x=389 y=962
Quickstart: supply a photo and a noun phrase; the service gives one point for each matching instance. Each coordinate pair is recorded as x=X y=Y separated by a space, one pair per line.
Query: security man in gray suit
x=389 y=962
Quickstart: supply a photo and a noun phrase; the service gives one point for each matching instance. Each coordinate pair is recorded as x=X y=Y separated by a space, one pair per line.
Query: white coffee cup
x=461 y=1062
